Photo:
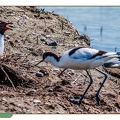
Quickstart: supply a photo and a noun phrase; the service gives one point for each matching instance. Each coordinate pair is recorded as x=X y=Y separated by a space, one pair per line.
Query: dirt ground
x=24 y=46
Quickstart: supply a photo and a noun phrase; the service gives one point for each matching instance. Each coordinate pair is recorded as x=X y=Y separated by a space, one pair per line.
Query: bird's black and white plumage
x=3 y=27
x=84 y=59
x=80 y=58
x=113 y=63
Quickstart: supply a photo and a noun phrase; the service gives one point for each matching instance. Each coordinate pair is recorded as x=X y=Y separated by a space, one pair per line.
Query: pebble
x=39 y=74
x=50 y=90
x=4 y=92
x=43 y=39
x=72 y=72
x=116 y=110
x=48 y=36
x=36 y=101
x=25 y=17
x=53 y=43
x=76 y=45
x=67 y=33
x=4 y=99
x=31 y=92
x=80 y=110
x=37 y=15
x=18 y=54
x=56 y=69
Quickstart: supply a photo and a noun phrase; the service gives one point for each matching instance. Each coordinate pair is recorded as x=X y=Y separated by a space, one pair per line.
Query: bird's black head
x=4 y=26
x=47 y=56
x=50 y=54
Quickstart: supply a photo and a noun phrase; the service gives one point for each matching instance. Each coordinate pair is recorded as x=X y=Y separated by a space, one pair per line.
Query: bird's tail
x=118 y=53
x=111 y=55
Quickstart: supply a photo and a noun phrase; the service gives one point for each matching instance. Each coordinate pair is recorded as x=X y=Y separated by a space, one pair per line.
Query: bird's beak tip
x=8 y=27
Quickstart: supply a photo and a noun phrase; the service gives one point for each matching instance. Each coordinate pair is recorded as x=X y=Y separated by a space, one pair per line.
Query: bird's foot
x=97 y=99
x=75 y=100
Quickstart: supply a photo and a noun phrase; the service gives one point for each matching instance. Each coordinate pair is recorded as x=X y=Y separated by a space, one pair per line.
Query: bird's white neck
x=54 y=61
x=1 y=44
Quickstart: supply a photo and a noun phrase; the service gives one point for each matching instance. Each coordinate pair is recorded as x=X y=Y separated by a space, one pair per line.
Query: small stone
x=50 y=90
x=37 y=15
x=48 y=36
x=31 y=92
x=80 y=110
x=39 y=74
x=56 y=69
x=53 y=43
x=58 y=112
x=72 y=72
x=36 y=101
x=42 y=38
x=18 y=54
x=25 y=17
x=67 y=33
x=76 y=45
x=4 y=99
x=116 y=110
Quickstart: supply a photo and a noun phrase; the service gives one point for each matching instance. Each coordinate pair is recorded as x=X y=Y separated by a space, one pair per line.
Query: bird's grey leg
x=61 y=72
x=79 y=100
x=97 y=94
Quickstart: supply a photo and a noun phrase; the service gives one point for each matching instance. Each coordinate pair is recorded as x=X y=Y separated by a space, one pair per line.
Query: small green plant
x=37 y=40
x=62 y=24
x=54 y=47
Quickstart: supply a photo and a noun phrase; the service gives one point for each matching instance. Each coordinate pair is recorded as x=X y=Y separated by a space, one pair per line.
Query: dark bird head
x=4 y=26
x=47 y=56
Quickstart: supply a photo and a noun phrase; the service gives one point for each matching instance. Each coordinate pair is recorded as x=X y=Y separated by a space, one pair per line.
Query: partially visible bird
x=3 y=27
x=113 y=63
x=84 y=59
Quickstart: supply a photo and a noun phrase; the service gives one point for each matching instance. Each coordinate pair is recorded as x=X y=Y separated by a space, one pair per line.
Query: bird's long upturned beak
x=38 y=63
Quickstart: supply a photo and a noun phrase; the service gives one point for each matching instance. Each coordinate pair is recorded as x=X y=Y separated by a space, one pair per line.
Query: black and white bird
x=113 y=63
x=3 y=27
x=84 y=59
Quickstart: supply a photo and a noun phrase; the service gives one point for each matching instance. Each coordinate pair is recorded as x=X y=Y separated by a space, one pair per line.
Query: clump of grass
x=54 y=47
x=62 y=24
x=37 y=40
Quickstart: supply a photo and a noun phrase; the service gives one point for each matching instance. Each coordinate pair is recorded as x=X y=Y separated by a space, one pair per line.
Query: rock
x=56 y=69
x=76 y=45
x=67 y=33
x=44 y=71
x=72 y=72
x=48 y=36
x=37 y=15
x=116 y=110
x=42 y=38
x=80 y=110
x=39 y=74
x=36 y=101
x=31 y=92
x=25 y=17
x=18 y=54
x=50 y=90
x=85 y=38
x=4 y=99
x=53 y=43
x=7 y=36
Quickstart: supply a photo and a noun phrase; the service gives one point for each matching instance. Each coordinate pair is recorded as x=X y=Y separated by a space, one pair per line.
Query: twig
x=8 y=78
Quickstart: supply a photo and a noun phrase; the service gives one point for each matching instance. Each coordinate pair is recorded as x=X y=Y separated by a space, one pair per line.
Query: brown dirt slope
x=24 y=47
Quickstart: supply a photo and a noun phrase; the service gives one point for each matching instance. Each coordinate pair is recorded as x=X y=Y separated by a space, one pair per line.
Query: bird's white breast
x=1 y=44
